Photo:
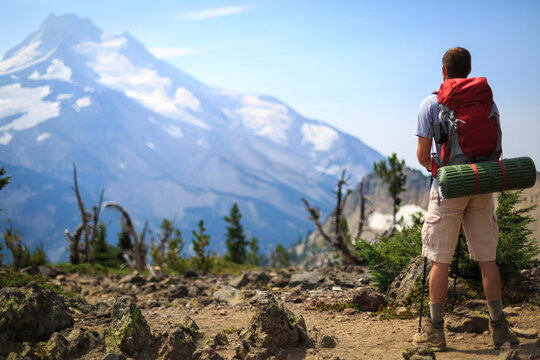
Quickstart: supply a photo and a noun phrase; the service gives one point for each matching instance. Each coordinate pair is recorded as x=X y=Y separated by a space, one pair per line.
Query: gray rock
x=368 y=299
x=207 y=354
x=220 y=340
x=81 y=341
x=113 y=356
x=425 y=353
x=472 y=317
x=181 y=342
x=508 y=353
x=327 y=341
x=129 y=332
x=228 y=294
x=308 y=279
x=273 y=328
x=177 y=292
x=30 y=314
x=402 y=285
x=58 y=347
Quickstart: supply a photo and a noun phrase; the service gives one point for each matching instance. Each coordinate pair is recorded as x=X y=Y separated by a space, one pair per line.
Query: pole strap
x=504 y=176
x=477 y=178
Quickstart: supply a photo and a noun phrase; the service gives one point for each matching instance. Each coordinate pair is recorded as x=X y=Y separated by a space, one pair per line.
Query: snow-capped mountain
x=156 y=140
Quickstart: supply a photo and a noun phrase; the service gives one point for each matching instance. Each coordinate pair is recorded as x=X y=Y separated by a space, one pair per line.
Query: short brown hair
x=457 y=62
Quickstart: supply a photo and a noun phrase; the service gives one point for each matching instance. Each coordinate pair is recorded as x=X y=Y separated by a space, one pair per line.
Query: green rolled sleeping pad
x=490 y=176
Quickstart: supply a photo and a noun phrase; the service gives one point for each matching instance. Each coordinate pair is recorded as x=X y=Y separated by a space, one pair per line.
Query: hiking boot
x=501 y=333
x=432 y=335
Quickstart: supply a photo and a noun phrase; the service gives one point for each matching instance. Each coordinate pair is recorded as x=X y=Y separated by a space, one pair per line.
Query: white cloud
x=212 y=13
x=56 y=71
x=163 y=53
x=28 y=107
x=321 y=136
x=150 y=145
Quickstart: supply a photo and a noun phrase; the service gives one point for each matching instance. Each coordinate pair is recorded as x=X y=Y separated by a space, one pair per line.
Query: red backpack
x=468 y=127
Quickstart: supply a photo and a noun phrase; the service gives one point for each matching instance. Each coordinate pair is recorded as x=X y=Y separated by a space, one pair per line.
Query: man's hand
x=423 y=152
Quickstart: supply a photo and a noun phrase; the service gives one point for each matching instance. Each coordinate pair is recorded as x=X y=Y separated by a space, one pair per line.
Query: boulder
x=228 y=294
x=129 y=333
x=308 y=279
x=368 y=299
x=207 y=354
x=181 y=341
x=472 y=317
x=58 y=347
x=30 y=314
x=405 y=282
x=272 y=329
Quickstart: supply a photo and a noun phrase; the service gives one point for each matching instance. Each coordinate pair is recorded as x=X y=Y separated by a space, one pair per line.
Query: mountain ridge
x=157 y=140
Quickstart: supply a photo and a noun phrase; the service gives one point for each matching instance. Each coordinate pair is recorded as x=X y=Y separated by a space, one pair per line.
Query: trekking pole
x=422 y=295
x=456 y=269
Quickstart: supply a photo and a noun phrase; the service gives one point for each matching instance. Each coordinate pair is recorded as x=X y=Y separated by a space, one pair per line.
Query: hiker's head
x=456 y=63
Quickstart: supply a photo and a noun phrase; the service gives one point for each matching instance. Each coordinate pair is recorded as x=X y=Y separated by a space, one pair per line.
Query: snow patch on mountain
x=27 y=106
x=381 y=222
x=82 y=103
x=265 y=118
x=331 y=170
x=320 y=136
x=56 y=71
x=142 y=84
x=185 y=98
x=24 y=58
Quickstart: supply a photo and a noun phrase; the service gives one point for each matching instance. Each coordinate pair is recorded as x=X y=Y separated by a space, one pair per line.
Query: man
x=443 y=221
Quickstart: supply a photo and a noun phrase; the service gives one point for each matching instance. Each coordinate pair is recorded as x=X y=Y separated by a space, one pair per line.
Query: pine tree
x=392 y=173
x=280 y=257
x=203 y=259
x=3 y=180
x=253 y=255
x=236 y=239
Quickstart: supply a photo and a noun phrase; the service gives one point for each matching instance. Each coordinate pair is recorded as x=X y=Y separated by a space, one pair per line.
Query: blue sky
x=361 y=66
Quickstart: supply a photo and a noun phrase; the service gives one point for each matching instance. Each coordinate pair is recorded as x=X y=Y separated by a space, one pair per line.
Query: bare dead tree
x=87 y=229
x=74 y=241
x=339 y=239
x=140 y=248
x=85 y=217
x=363 y=214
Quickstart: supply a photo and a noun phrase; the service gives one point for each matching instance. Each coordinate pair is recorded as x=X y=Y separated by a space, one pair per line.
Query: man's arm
x=423 y=152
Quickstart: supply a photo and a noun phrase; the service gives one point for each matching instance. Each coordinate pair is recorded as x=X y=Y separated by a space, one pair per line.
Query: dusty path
x=358 y=335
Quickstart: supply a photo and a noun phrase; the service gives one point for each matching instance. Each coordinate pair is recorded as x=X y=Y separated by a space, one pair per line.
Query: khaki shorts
x=441 y=228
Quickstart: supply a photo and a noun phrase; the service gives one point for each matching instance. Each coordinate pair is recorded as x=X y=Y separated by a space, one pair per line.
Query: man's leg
x=438 y=287
x=491 y=280
x=433 y=332
x=498 y=325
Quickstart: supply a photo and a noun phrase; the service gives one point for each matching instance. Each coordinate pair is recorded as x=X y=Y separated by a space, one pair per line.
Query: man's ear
x=444 y=73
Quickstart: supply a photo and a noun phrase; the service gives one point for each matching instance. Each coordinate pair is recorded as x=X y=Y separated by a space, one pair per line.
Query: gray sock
x=437 y=312
x=495 y=309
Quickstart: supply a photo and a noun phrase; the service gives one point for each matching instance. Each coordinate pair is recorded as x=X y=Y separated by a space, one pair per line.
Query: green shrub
x=388 y=256
x=515 y=251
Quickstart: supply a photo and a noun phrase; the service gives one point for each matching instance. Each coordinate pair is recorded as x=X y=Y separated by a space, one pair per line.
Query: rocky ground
x=257 y=315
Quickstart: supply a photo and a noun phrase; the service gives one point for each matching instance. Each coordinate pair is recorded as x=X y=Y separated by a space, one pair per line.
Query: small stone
x=327 y=341
x=526 y=333
x=507 y=353
x=113 y=356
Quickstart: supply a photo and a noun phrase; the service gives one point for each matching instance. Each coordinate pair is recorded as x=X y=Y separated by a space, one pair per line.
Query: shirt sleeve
x=428 y=109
